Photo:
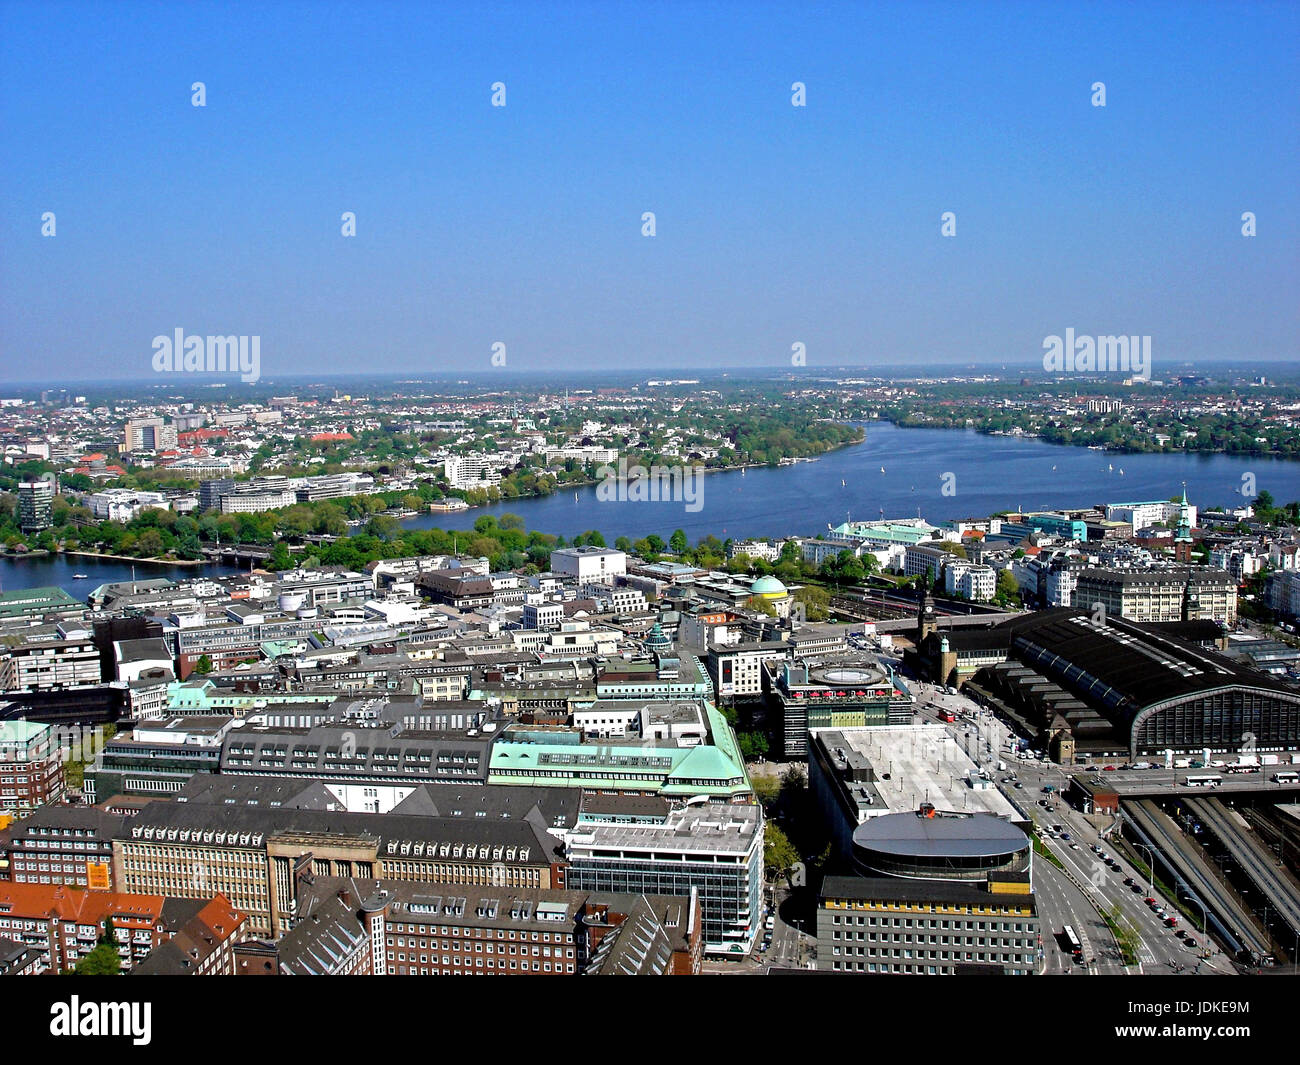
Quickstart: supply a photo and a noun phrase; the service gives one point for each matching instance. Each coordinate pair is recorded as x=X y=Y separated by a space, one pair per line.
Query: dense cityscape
x=734 y=490
x=1075 y=728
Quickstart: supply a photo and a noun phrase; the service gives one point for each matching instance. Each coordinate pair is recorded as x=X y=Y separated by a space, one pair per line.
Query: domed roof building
x=657 y=641
x=768 y=588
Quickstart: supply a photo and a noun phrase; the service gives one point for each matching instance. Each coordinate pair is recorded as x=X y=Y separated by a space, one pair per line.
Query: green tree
x=753 y=745
x=102 y=961
x=779 y=855
x=678 y=542
x=1008 y=586
x=816 y=602
x=203 y=665
x=767 y=789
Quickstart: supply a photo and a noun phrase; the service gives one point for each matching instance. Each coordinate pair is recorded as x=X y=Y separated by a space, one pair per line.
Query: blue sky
x=522 y=224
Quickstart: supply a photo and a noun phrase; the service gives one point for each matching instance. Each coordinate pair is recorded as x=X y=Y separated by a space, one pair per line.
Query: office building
x=714 y=850
x=35 y=505
x=1158 y=595
x=589 y=564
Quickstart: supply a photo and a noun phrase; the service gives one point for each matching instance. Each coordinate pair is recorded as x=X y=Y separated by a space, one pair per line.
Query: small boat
x=882 y=469
x=843 y=483
x=80 y=576
x=1121 y=471
x=575 y=497
x=1053 y=467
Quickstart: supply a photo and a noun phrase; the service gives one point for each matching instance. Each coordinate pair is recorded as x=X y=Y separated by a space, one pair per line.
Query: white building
x=589 y=563
x=970 y=580
x=1145 y=515
x=122 y=504
x=473 y=471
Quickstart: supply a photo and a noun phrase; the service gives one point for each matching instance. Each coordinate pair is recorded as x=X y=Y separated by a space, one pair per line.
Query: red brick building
x=31 y=771
x=64 y=923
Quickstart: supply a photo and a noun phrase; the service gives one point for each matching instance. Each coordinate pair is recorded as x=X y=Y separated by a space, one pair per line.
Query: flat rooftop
x=924 y=763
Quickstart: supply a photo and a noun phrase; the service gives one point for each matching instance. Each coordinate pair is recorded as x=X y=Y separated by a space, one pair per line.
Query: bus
x=1204 y=780
x=1076 y=948
x=1287 y=776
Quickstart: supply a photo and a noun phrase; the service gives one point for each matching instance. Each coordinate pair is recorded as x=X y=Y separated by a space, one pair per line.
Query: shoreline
x=133 y=558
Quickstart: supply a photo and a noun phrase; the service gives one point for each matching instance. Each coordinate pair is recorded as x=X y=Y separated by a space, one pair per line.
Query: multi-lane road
x=1090 y=882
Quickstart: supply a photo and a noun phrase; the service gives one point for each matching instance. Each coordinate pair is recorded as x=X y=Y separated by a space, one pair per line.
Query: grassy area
x=1163 y=888
x=1125 y=934
x=1041 y=848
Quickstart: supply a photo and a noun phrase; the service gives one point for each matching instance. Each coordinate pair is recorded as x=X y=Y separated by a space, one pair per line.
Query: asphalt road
x=984 y=737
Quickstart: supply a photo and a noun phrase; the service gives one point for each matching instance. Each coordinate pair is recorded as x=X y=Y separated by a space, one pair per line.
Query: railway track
x=1236 y=926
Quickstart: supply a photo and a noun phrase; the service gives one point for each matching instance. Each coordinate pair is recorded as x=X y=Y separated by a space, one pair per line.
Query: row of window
x=937 y=955
x=885 y=967
x=908 y=922
x=537 y=967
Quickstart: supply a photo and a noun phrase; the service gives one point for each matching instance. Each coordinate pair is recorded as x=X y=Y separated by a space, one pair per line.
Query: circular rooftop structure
x=942 y=846
x=848 y=675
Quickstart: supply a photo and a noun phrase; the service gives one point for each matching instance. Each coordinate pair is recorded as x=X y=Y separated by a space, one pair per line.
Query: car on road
x=1128 y=881
x=1074 y=846
x=1108 y=769
x=1149 y=901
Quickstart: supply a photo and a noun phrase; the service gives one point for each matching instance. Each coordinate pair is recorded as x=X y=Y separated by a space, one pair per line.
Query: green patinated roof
x=709 y=769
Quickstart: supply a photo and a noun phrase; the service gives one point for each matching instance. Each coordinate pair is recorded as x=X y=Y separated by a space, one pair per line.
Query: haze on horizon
x=523 y=224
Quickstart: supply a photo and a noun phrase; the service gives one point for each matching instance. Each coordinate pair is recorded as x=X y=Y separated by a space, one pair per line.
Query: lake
x=988 y=473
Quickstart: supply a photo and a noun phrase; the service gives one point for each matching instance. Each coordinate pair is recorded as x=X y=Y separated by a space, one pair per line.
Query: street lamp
x=1151 y=868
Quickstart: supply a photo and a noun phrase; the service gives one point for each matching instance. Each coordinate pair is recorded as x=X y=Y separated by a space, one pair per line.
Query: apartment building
x=201 y=939
x=969 y=580
x=64 y=924
x=31 y=769
x=473 y=471
x=63 y=845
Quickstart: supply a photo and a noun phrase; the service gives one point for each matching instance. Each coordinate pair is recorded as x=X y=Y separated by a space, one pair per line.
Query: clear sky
x=523 y=224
